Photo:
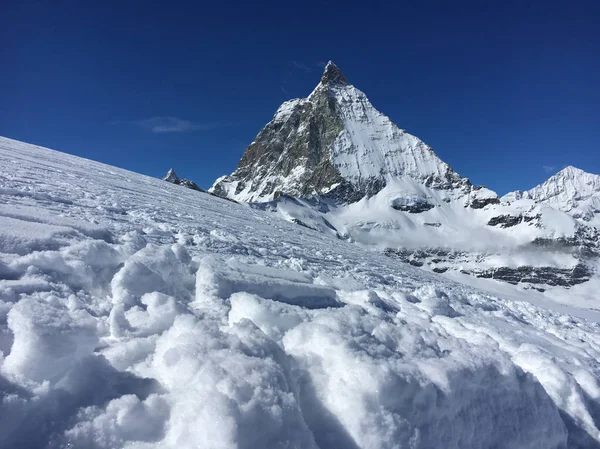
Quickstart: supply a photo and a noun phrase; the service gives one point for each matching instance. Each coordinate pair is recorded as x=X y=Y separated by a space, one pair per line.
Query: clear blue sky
x=506 y=92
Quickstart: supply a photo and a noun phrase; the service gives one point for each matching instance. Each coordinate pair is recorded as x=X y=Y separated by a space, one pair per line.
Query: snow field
x=183 y=320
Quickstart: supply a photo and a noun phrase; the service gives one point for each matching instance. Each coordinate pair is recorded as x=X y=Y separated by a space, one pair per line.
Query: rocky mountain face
x=333 y=163
x=333 y=144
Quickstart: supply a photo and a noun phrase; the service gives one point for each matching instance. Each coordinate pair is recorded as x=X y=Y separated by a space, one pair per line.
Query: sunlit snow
x=137 y=313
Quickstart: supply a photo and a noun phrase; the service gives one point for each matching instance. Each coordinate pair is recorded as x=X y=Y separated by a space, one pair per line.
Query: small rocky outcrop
x=482 y=196
x=190 y=185
x=564 y=277
x=440 y=260
x=426 y=256
x=584 y=244
x=508 y=221
x=172 y=177
x=480 y=203
x=412 y=205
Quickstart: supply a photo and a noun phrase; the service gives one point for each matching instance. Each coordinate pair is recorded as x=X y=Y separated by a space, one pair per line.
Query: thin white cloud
x=549 y=168
x=301 y=66
x=168 y=124
x=308 y=67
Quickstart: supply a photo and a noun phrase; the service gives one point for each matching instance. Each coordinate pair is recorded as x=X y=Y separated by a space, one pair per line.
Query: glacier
x=135 y=313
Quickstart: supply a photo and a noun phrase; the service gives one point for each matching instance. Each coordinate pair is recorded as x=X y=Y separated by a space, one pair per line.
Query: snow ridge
x=571 y=190
x=372 y=146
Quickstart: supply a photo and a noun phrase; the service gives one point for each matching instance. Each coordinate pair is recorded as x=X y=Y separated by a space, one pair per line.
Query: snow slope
x=137 y=313
x=372 y=146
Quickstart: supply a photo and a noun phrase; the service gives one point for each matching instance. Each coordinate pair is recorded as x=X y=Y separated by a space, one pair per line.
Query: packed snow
x=135 y=313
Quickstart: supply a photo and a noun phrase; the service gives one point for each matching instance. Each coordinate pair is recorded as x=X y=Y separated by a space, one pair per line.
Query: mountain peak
x=333 y=144
x=572 y=171
x=333 y=75
x=577 y=177
x=171 y=176
x=571 y=190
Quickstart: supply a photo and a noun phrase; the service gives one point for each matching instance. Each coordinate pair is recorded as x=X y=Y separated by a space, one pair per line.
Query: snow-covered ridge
x=370 y=146
x=571 y=190
x=138 y=314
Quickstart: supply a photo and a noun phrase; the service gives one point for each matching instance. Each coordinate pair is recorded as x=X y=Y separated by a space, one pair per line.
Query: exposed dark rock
x=507 y=221
x=434 y=225
x=301 y=223
x=450 y=180
x=307 y=146
x=564 y=277
x=333 y=75
x=585 y=243
x=480 y=203
x=190 y=185
x=437 y=254
x=420 y=257
x=412 y=205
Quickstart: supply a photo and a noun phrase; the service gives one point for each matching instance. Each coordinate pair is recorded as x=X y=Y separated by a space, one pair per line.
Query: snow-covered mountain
x=570 y=190
x=333 y=144
x=333 y=163
x=135 y=313
x=171 y=176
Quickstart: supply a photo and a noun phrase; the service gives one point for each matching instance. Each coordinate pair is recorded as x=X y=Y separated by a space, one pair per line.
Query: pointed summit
x=333 y=75
x=571 y=190
x=171 y=176
x=571 y=172
x=334 y=145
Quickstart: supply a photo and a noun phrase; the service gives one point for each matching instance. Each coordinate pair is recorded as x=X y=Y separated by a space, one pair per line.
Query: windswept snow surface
x=136 y=313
